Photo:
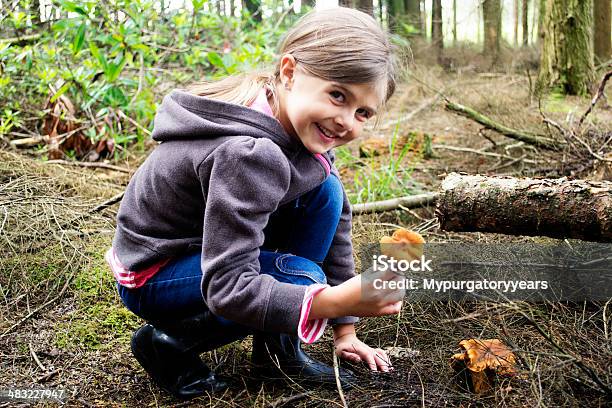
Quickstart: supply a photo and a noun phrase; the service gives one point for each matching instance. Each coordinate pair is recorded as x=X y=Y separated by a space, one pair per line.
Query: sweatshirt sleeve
x=339 y=264
x=244 y=180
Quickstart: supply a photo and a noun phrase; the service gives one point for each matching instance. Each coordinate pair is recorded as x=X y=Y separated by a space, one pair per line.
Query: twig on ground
x=419 y=200
x=337 y=374
x=285 y=400
x=39 y=308
x=113 y=200
x=89 y=164
x=36 y=359
x=480 y=152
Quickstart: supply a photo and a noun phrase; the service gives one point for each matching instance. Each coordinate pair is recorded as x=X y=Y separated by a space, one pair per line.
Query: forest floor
x=62 y=324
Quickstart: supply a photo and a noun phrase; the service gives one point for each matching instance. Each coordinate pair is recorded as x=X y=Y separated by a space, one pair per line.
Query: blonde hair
x=339 y=44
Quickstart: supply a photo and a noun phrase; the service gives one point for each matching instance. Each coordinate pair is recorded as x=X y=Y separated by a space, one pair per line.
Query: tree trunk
x=437 y=38
x=367 y=6
x=492 y=28
x=454 y=22
x=541 y=12
x=601 y=13
x=396 y=14
x=516 y=22
x=552 y=207
x=525 y=17
x=567 y=50
x=309 y=3
x=413 y=15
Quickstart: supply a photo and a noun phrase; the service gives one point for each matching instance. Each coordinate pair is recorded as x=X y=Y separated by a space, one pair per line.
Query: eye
x=364 y=113
x=337 y=95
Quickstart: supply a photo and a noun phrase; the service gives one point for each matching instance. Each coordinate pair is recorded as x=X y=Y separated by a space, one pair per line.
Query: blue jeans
x=297 y=239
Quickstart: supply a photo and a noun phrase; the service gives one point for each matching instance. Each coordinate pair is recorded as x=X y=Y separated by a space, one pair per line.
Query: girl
x=238 y=224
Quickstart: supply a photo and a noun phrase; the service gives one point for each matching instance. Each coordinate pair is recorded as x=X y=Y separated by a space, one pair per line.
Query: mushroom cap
x=406 y=245
x=482 y=354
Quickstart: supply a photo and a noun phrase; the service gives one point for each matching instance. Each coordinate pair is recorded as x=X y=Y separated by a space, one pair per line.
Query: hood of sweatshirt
x=186 y=116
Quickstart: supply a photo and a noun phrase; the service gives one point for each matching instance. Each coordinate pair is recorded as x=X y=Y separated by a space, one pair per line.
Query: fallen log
x=557 y=208
x=523 y=136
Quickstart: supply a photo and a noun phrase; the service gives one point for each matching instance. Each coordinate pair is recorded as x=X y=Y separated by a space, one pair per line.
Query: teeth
x=326 y=132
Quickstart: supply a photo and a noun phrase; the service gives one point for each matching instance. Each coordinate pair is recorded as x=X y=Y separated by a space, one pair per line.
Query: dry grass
x=59 y=301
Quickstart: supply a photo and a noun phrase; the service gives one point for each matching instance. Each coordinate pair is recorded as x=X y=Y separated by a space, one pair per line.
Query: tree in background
x=363 y=5
x=395 y=14
x=601 y=31
x=525 y=17
x=491 y=10
x=454 y=22
x=437 y=38
x=566 y=61
x=413 y=15
x=516 y=21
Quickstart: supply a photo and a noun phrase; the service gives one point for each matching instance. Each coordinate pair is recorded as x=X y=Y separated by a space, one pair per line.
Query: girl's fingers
x=350 y=356
x=371 y=362
x=383 y=360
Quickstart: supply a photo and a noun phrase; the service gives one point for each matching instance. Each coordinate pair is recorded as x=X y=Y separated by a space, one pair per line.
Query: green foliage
x=380 y=179
x=110 y=57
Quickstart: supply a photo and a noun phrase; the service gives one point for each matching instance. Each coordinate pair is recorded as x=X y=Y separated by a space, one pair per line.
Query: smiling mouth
x=327 y=132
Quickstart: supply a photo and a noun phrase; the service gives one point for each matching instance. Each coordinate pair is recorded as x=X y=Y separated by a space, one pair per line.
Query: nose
x=345 y=119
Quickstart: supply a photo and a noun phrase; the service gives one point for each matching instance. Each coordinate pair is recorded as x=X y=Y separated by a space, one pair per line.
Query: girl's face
x=323 y=114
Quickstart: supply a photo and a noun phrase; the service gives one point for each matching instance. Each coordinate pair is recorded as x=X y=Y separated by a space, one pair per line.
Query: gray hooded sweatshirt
x=212 y=183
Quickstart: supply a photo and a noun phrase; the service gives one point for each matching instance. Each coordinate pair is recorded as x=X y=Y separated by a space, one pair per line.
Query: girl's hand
x=357 y=296
x=350 y=348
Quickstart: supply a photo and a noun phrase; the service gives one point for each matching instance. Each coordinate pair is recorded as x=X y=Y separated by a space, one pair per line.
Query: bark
x=556 y=208
x=413 y=15
x=525 y=18
x=566 y=60
x=367 y=6
x=601 y=14
x=492 y=28
x=437 y=38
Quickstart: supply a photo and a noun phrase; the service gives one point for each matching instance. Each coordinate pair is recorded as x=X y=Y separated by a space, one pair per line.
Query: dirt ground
x=62 y=325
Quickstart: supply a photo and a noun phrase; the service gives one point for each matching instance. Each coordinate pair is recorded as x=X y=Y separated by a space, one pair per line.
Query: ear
x=287 y=70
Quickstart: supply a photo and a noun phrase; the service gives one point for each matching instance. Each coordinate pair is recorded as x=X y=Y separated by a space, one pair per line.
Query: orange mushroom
x=403 y=244
x=484 y=360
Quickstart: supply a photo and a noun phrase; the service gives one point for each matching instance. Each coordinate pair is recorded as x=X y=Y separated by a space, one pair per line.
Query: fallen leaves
x=482 y=361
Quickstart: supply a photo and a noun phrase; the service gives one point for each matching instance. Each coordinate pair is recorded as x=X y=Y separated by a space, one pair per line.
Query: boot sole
x=140 y=355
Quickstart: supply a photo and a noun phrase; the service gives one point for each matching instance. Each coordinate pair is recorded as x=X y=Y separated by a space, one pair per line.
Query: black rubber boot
x=277 y=356
x=170 y=354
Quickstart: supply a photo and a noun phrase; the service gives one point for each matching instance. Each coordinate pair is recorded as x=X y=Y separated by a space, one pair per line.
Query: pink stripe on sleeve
x=323 y=162
x=310 y=331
